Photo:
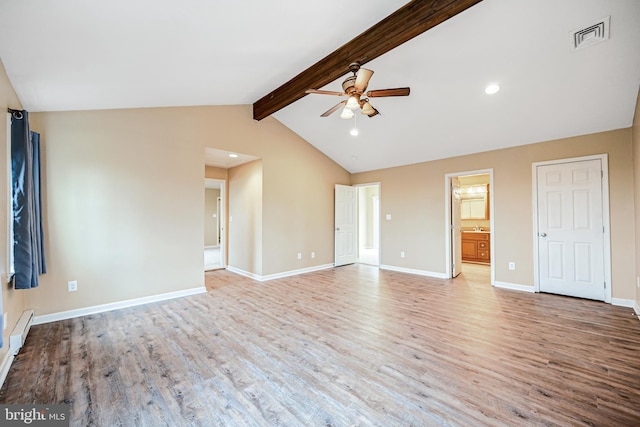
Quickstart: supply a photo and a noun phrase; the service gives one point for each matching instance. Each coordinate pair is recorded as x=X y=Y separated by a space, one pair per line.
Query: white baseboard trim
x=414 y=271
x=636 y=308
x=296 y=272
x=243 y=273
x=278 y=275
x=623 y=302
x=53 y=317
x=5 y=366
x=514 y=286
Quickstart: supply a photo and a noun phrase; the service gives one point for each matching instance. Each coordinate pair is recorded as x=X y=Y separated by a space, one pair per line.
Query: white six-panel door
x=570 y=229
x=346 y=236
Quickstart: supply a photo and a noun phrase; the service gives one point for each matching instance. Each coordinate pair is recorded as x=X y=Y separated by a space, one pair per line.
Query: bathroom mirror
x=473 y=202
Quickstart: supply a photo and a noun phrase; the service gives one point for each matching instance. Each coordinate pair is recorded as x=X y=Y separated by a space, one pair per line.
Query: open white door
x=456 y=229
x=571 y=229
x=346 y=237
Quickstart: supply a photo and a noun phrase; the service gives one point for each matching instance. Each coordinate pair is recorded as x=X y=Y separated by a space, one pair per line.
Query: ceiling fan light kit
x=353 y=103
x=367 y=109
x=354 y=87
x=347 y=113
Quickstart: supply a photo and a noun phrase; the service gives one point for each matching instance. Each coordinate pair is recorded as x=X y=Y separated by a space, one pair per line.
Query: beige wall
x=123 y=207
x=118 y=183
x=636 y=192
x=211 y=216
x=298 y=208
x=13 y=302
x=213 y=172
x=414 y=195
x=245 y=217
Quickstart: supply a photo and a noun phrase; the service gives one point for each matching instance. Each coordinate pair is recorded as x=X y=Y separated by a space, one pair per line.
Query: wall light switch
x=388 y=217
x=299 y=255
x=73 y=285
x=401 y=254
x=512 y=265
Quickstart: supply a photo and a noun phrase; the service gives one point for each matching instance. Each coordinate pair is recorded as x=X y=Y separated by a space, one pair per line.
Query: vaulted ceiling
x=73 y=55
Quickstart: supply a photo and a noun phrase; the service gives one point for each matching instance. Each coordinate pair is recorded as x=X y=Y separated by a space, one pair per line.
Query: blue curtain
x=28 y=236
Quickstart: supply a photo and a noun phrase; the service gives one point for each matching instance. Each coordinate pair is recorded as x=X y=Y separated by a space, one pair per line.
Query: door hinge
x=605 y=285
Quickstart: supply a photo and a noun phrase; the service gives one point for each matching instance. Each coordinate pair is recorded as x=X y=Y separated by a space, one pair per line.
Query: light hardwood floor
x=350 y=346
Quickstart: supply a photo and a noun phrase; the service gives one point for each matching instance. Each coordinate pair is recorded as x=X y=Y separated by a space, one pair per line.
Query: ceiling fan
x=354 y=88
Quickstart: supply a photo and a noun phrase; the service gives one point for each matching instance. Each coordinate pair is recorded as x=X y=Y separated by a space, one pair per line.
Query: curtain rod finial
x=17 y=114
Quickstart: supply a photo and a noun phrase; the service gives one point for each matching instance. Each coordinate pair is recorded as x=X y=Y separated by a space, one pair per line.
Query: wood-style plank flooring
x=350 y=346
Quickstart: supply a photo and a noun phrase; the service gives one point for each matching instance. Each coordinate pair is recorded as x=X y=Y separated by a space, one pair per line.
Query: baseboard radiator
x=19 y=334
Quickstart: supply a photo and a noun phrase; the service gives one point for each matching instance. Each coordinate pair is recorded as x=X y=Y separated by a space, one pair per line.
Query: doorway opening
x=214 y=227
x=369 y=224
x=357 y=224
x=469 y=213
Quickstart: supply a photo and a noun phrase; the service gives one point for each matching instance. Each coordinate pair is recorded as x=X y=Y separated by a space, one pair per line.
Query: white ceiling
x=225 y=159
x=75 y=54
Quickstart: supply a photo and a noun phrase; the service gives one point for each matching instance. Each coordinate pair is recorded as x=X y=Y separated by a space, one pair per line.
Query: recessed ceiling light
x=233 y=155
x=492 y=88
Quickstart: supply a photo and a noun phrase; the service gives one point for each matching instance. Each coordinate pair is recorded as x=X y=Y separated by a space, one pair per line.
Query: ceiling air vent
x=592 y=34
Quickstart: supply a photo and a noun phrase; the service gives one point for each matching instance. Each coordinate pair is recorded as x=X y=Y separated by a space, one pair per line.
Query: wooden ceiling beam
x=411 y=20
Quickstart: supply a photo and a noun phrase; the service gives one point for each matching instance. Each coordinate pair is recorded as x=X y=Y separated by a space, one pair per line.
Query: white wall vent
x=19 y=334
x=595 y=33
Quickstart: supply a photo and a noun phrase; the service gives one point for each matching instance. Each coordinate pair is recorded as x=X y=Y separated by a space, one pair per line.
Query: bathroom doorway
x=470 y=224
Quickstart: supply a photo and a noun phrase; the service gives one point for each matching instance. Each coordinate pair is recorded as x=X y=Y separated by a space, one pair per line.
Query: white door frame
x=222 y=219
x=448 y=223
x=604 y=158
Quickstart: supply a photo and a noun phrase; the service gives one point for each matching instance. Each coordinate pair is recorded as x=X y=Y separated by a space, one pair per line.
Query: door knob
x=543 y=234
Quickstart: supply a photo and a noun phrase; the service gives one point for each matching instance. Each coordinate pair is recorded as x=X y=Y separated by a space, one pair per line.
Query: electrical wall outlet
x=313 y=254
x=512 y=265
x=401 y=254
x=4 y=321
x=299 y=255
x=73 y=285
